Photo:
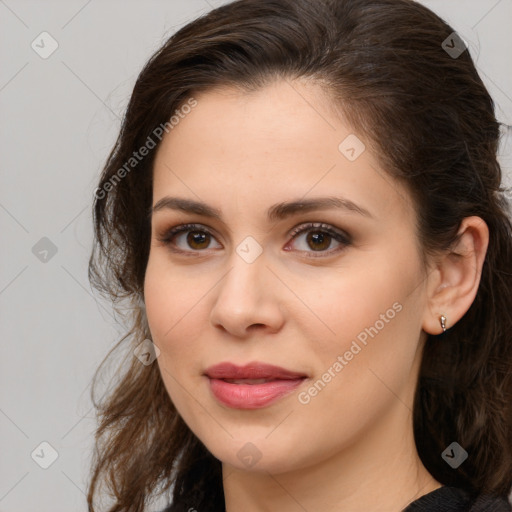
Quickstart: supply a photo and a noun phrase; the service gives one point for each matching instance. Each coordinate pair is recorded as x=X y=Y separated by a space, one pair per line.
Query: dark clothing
x=452 y=499
x=444 y=499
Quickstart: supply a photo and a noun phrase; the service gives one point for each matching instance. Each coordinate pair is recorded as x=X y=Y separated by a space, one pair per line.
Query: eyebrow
x=277 y=211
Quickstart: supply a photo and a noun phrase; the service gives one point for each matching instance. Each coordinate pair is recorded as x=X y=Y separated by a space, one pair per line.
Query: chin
x=258 y=455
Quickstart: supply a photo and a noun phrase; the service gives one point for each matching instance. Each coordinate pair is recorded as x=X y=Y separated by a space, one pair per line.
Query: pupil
x=319 y=237
x=196 y=238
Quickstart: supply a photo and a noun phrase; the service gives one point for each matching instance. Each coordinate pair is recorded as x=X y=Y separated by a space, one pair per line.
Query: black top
x=444 y=499
x=452 y=499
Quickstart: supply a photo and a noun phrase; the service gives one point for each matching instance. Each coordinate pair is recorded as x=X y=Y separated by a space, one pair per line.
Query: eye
x=319 y=238
x=198 y=238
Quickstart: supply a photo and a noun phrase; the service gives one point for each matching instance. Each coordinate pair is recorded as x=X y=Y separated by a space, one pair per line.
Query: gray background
x=59 y=119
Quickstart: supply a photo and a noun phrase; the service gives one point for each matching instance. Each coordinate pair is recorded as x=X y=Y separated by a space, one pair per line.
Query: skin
x=351 y=447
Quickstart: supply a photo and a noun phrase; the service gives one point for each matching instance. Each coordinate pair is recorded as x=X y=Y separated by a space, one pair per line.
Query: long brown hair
x=431 y=123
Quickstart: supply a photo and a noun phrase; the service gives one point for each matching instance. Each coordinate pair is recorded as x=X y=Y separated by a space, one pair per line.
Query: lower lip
x=252 y=396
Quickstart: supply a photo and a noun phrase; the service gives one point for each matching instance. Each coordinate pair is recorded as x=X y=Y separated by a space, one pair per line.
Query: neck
x=380 y=471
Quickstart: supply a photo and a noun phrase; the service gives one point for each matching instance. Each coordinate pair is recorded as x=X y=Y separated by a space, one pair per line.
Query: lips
x=252 y=386
x=255 y=370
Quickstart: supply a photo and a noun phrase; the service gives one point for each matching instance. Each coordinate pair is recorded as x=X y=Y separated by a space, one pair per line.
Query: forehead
x=282 y=141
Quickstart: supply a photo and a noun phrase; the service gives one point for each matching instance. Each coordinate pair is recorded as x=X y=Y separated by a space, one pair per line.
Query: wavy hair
x=430 y=122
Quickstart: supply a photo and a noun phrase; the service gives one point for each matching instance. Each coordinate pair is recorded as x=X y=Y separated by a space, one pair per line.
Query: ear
x=453 y=283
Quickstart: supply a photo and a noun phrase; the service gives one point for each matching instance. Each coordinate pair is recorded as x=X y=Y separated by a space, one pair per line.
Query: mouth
x=252 y=386
x=248 y=381
x=253 y=371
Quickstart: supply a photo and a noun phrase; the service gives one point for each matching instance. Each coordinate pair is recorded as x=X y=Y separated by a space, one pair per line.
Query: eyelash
x=167 y=237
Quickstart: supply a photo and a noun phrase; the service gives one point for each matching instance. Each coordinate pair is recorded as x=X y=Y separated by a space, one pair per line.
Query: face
x=333 y=293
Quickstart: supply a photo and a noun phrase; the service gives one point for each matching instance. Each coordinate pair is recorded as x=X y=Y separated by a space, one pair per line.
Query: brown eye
x=198 y=239
x=319 y=238
x=187 y=238
x=192 y=239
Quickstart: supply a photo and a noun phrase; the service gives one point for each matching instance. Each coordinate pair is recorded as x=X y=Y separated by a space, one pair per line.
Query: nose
x=248 y=299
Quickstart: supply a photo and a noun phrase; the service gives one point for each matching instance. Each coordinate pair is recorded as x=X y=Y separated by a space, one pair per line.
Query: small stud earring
x=443 y=322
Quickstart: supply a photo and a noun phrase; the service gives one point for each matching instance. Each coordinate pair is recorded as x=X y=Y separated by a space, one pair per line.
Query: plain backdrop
x=59 y=118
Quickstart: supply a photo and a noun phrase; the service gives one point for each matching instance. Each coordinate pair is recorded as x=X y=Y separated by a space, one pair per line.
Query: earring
x=443 y=322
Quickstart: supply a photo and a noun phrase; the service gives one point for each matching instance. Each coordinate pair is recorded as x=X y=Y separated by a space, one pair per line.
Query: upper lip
x=253 y=370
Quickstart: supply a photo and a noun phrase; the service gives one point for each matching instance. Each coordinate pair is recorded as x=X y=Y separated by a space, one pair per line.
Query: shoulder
x=453 y=499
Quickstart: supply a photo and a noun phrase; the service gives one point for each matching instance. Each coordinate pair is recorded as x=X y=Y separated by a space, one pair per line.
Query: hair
x=429 y=120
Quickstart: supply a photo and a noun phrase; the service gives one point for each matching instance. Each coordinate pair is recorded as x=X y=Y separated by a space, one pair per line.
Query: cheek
x=365 y=325
x=344 y=304
x=173 y=308
x=169 y=296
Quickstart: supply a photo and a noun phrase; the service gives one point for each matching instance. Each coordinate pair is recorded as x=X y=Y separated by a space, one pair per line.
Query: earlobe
x=456 y=279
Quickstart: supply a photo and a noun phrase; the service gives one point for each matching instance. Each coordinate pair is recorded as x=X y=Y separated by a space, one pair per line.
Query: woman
x=303 y=208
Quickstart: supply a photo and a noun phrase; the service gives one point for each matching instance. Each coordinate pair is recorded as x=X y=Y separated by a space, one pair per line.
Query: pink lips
x=264 y=384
